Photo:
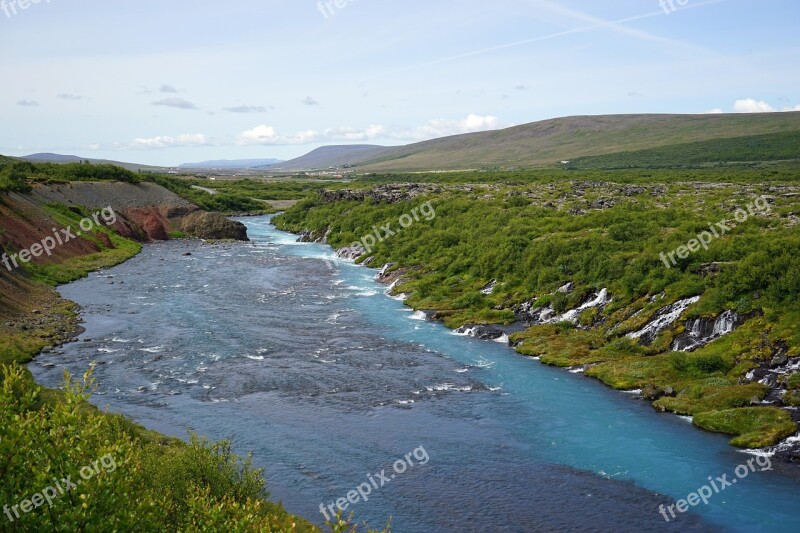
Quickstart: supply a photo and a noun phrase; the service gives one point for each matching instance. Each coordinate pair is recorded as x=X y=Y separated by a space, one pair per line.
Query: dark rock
x=350 y=252
x=313 y=236
x=487 y=333
x=187 y=254
x=670 y=392
x=652 y=393
x=603 y=203
x=390 y=194
x=755 y=400
x=708 y=269
x=213 y=226
x=779 y=360
x=632 y=190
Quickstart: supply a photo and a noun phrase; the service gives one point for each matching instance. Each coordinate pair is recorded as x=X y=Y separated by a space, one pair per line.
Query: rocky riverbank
x=724 y=362
x=32 y=315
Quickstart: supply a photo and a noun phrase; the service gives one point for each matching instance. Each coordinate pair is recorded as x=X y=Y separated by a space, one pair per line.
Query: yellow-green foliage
x=560 y=344
x=698 y=398
x=754 y=427
x=77 y=267
x=154 y=485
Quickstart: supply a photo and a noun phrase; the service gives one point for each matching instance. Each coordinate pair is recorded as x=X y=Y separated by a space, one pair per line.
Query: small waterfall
x=663 y=319
x=726 y=323
x=600 y=299
x=701 y=331
x=489 y=289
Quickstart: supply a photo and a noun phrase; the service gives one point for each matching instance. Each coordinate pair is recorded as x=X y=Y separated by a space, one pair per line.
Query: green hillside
x=551 y=141
x=753 y=148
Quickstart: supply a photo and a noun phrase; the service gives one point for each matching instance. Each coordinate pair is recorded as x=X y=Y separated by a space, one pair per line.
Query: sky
x=165 y=83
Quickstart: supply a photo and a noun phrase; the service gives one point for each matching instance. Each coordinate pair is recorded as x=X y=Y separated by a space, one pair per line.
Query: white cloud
x=269 y=135
x=28 y=103
x=715 y=111
x=444 y=128
x=187 y=139
x=176 y=102
x=310 y=101
x=167 y=89
x=750 y=105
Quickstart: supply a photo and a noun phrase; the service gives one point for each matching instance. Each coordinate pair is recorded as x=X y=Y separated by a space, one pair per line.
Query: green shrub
x=139 y=483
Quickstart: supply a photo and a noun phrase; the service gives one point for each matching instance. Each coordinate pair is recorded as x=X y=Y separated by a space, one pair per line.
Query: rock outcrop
x=663 y=319
x=350 y=252
x=213 y=226
x=145 y=211
x=701 y=331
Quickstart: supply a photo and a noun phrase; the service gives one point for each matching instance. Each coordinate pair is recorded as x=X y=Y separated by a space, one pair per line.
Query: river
x=304 y=361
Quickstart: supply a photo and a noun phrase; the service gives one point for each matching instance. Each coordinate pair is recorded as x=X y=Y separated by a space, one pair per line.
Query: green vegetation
x=773 y=147
x=753 y=427
x=13 y=177
x=236 y=196
x=533 y=234
x=754 y=173
x=20 y=172
x=128 y=479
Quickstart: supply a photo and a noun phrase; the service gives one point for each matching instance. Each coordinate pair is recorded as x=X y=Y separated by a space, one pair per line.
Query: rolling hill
x=549 y=142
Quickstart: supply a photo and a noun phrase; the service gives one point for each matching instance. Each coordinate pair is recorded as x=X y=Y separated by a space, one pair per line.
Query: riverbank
x=168 y=476
x=726 y=359
x=325 y=361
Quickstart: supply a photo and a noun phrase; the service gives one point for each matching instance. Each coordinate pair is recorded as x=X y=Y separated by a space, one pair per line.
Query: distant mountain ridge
x=334 y=156
x=232 y=164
